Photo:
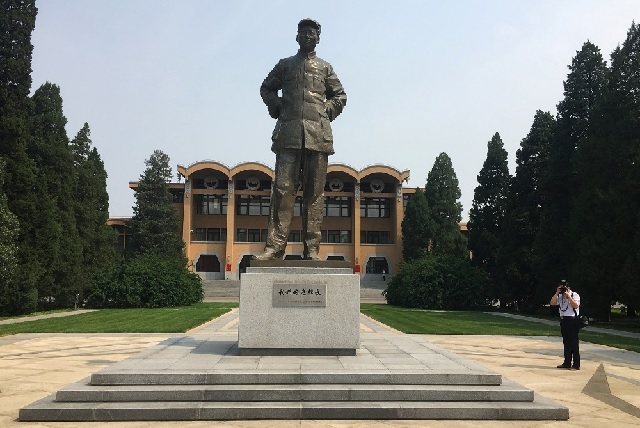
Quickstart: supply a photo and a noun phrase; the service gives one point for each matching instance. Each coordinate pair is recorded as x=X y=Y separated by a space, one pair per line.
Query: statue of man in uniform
x=312 y=97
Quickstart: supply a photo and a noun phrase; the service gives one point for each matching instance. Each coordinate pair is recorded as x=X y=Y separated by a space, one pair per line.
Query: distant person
x=312 y=96
x=384 y=275
x=569 y=306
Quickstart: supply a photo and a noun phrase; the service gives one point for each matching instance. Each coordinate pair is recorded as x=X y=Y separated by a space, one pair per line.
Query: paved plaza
x=606 y=390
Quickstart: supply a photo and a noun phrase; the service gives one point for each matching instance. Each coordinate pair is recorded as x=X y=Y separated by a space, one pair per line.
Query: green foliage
x=522 y=220
x=155 y=227
x=91 y=211
x=17 y=21
x=148 y=281
x=582 y=92
x=486 y=217
x=414 y=227
x=438 y=282
x=59 y=249
x=607 y=198
x=8 y=250
x=444 y=210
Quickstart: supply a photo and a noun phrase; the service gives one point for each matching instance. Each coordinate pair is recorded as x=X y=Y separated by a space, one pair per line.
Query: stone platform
x=297 y=309
x=201 y=376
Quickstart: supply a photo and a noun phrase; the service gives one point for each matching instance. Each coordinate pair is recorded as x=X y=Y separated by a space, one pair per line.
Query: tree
x=91 y=211
x=582 y=92
x=8 y=251
x=155 y=272
x=440 y=282
x=444 y=210
x=414 y=227
x=17 y=21
x=59 y=246
x=486 y=217
x=607 y=200
x=524 y=206
x=155 y=227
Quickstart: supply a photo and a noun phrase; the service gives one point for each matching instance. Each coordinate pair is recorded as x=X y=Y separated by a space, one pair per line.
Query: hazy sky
x=422 y=77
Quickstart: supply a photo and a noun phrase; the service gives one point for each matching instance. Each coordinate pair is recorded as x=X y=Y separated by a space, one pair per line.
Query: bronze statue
x=312 y=96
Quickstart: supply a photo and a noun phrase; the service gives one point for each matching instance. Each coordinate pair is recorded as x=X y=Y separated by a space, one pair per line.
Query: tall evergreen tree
x=17 y=21
x=516 y=258
x=582 y=91
x=91 y=211
x=608 y=200
x=60 y=249
x=486 y=217
x=444 y=209
x=414 y=227
x=8 y=251
x=155 y=226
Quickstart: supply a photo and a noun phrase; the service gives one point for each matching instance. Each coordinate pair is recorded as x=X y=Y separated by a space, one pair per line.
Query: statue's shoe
x=270 y=254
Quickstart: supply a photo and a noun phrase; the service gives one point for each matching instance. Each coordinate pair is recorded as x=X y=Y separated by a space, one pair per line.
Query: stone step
x=231 y=377
x=49 y=410
x=84 y=392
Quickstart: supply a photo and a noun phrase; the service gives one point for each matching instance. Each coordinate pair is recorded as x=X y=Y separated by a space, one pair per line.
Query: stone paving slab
x=388 y=379
x=26 y=375
x=211 y=355
x=539 y=409
x=83 y=392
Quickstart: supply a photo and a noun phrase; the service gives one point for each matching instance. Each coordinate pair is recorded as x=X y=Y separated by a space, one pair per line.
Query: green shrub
x=147 y=281
x=438 y=282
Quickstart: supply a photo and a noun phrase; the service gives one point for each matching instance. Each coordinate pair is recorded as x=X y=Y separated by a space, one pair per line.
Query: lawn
x=417 y=321
x=412 y=321
x=160 y=320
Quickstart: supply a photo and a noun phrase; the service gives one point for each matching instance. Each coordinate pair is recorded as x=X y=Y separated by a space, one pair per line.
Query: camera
x=563 y=286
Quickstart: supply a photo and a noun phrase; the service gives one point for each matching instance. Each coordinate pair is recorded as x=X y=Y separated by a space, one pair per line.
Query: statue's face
x=307 y=38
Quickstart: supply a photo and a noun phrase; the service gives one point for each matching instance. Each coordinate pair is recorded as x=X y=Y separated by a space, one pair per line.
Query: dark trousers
x=294 y=167
x=569 y=329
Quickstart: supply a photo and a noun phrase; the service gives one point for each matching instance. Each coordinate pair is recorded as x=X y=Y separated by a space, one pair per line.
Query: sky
x=422 y=77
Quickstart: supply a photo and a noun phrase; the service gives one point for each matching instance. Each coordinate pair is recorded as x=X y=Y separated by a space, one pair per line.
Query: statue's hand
x=274 y=109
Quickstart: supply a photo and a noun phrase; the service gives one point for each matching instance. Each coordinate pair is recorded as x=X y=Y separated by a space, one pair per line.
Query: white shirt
x=564 y=305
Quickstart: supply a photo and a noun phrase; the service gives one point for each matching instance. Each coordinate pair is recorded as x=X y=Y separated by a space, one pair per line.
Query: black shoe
x=575 y=368
x=564 y=366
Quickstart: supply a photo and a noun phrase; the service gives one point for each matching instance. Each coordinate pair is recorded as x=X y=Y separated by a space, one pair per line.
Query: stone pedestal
x=297 y=308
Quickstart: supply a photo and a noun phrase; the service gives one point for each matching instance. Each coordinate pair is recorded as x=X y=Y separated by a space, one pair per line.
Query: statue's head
x=308 y=34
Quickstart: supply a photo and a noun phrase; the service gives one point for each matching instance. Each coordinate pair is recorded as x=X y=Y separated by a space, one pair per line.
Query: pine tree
x=60 y=248
x=8 y=251
x=91 y=211
x=17 y=21
x=155 y=226
x=486 y=217
x=582 y=91
x=444 y=210
x=516 y=259
x=414 y=227
x=607 y=200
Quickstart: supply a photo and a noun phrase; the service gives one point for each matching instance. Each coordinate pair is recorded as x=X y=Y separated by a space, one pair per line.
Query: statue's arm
x=336 y=96
x=269 y=91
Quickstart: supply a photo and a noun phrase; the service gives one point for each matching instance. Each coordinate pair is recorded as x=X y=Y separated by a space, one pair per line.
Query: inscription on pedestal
x=287 y=295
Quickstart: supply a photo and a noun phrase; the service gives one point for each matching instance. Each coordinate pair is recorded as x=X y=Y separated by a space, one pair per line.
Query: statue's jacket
x=312 y=96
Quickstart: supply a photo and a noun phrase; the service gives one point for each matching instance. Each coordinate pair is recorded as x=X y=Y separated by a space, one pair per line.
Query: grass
x=415 y=321
x=161 y=320
x=619 y=321
x=55 y=311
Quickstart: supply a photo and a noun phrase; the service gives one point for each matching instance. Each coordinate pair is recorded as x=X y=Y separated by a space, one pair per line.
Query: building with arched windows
x=224 y=214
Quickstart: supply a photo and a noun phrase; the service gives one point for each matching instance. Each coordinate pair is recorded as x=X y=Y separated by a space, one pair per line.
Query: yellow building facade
x=224 y=213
